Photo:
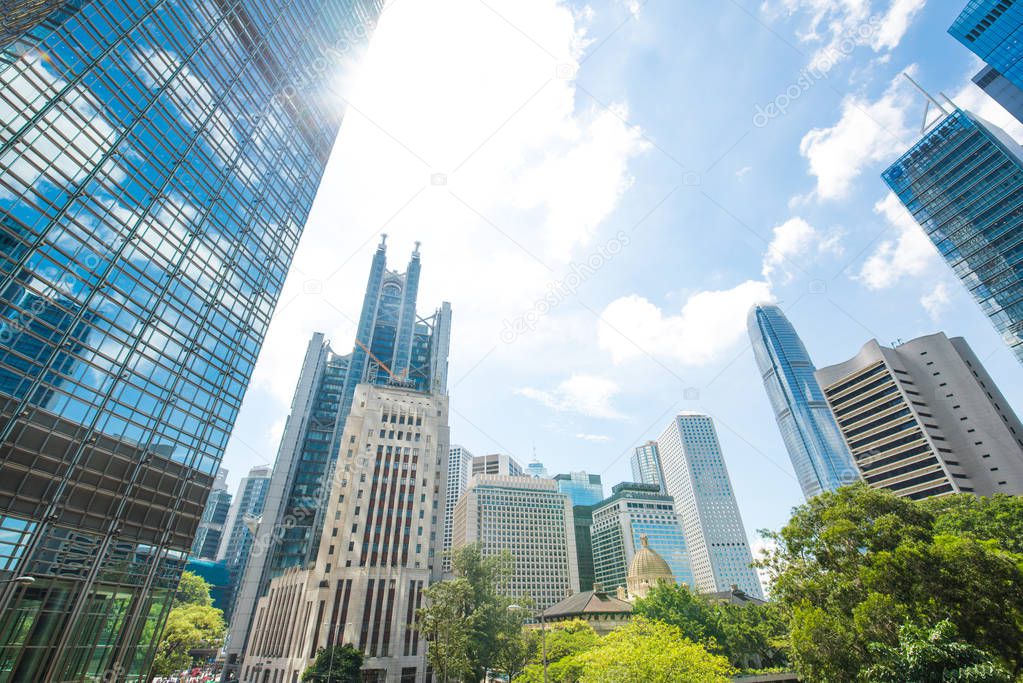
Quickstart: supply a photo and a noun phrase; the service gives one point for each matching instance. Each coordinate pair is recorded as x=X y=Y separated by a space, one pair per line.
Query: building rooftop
x=588 y=602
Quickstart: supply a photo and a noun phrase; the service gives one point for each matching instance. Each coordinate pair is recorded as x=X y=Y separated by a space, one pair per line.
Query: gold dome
x=646 y=570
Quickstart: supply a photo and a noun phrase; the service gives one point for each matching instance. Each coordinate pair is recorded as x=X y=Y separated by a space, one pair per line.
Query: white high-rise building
x=378 y=552
x=646 y=465
x=530 y=518
x=459 y=471
x=496 y=463
x=696 y=477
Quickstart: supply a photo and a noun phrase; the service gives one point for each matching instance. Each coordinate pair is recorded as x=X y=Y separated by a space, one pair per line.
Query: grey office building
x=925 y=419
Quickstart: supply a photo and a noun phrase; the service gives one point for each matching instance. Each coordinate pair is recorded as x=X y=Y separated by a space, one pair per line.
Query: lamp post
x=543 y=632
x=20 y=580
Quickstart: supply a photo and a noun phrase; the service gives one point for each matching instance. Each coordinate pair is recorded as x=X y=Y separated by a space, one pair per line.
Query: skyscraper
x=393 y=346
x=634 y=510
x=697 y=479
x=24 y=22
x=535 y=468
x=992 y=30
x=819 y=455
x=380 y=548
x=963 y=183
x=582 y=488
x=925 y=419
x=214 y=517
x=236 y=543
x=459 y=471
x=531 y=519
x=646 y=465
x=157 y=164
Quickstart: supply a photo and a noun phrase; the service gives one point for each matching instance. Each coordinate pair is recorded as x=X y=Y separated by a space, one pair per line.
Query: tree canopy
x=192 y=624
x=338 y=664
x=933 y=656
x=854 y=565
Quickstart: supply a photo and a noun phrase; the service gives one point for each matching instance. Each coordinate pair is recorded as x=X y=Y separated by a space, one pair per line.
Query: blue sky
x=612 y=174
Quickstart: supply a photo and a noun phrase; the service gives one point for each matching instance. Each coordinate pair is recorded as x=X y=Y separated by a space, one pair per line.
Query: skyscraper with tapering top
x=394 y=346
x=819 y=455
x=158 y=161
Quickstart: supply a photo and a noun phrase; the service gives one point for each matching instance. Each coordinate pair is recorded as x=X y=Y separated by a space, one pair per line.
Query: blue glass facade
x=1001 y=90
x=582 y=488
x=634 y=510
x=646 y=465
x=819 y=455
x=963 y=183
x=157 y=162
x=992 y=30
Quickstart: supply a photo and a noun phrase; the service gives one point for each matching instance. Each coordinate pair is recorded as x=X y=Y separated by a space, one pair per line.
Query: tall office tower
x=380 y=548
x=459 y=471
x=925 y=419
x=533 y=520
x=496 y=463
x=646 y=465
x=697 y=479
x=24 y=22
x=582 y=488
x=393 y=346
x=535 y=468
x=962 y=182
x=582 y=521
x=157 y=163
x=992 y=30
x=818 y=454
x=210 y=532
x=634 y=510
x=236 y=543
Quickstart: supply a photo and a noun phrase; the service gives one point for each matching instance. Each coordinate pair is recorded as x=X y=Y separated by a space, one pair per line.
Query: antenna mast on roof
x=929 y=101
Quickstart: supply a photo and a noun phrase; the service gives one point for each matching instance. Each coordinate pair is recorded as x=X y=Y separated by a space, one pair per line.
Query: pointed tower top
x=643 y=541
x=415 y=252
x=383 y=241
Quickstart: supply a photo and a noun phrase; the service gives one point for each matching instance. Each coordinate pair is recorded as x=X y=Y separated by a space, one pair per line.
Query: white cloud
x=743 y=171
x=909 y=254
x=595 y=438
x=480 y=148
x=587 y=395
x=796 y=242
x=709 y=323
x=936 y=301
x=867 y=133
x=839 y=28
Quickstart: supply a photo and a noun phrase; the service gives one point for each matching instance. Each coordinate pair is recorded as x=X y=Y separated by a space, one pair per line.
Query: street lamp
x=543 y=632
x=21 y=580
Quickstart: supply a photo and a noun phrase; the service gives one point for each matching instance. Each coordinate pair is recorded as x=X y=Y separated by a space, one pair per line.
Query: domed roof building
x=646 y=570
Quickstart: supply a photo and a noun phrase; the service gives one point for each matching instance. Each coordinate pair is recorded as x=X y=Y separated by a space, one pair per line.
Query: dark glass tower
x=393 y=346
x=157 y=162
x=819 y=455
x=963 y=183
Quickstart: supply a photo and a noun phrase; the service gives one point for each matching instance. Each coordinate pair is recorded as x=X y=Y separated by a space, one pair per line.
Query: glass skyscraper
x=582 y=488
x=646 y=465
x=157 y=163
x=634 y=510
x=993 y=30
x=210 y=533
x=819 y=455
x=394 y=346
x=236 y=543
x=963 y=183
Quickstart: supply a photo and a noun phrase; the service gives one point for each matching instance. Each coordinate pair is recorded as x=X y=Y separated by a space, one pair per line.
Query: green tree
x=445 y=621
x=933 y=656
x=339 y=664
x=998 y=518
x=853 y=565
x=189 y=627
x=650 y=652
x=564 y=641
x=192 y=590
x=193 y=623
x=751 y=636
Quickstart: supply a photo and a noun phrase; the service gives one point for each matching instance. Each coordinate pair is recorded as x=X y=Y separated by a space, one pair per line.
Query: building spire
x=643 y=541
x=383 y=241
